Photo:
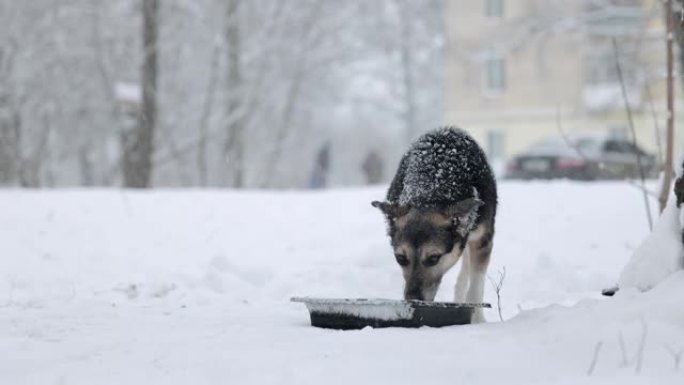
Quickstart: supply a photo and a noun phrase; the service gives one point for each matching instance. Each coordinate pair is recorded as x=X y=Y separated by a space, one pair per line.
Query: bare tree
x=9 y=142
x=207 y=109
x=9 y=117
x=676 y=356
x=594 y=358
x=138 y=144
x=309 y=34
x=405 y=27
x=285 y=77
x=497 y=285
x=630 y=121
x=669 y=172
x=234 y=147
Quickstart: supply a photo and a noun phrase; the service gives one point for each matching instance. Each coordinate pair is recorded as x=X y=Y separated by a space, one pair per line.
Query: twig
x=497 y=289
x=594 y=360
x=658 y=137
x=676 y=355
x=644 y=189
x=579 y=152
x=639 y=354
x=621 y=340
x=566 y=138
x=630 y=120
x=642 y=344
x=207 y=110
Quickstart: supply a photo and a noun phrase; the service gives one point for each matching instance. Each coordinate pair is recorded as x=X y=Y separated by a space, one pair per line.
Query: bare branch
x=497 y=285
x=676 y=355
x=659 y=139
x=642 y=344
x=621 y=340
x=565 y=137
x=594 y=359
x=644 y=189
x=669 y=172
x=630 y=120
x=206 y=114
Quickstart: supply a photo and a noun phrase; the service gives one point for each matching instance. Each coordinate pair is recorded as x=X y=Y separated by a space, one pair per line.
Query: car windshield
x=566 y=147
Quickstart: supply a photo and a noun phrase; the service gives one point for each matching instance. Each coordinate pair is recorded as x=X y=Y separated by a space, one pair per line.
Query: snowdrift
x=177 y=287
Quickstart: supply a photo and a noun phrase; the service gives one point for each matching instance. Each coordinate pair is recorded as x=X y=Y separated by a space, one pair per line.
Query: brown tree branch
x=630 y=120
x=669 y=172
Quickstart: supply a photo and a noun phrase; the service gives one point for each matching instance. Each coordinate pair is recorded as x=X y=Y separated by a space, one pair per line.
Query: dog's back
x=443 y=167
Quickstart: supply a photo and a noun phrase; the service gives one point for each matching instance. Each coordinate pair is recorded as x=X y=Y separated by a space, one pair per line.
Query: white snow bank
x=180 y=287
x=659 y=255
x=128 y=92
x=662 y=252
x=560 y=242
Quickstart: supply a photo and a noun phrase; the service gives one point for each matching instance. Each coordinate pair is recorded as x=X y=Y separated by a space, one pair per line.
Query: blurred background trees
x=229 y=93
x=255 y=93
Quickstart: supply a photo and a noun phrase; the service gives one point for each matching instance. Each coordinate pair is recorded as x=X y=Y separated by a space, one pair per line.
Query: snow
x=376 y=308
x=659 y=255
x=178 y=287
x=662 y=252
x=601 y=97
x=128 y=92
x=441 y=166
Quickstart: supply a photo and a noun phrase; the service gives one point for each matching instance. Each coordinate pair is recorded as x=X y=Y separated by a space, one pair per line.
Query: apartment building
x=517 y=71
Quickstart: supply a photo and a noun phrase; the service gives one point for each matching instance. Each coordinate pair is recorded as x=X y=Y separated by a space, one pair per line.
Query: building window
x=599 y=64
x=493 y=8
x=495 y=145
x=494 y=74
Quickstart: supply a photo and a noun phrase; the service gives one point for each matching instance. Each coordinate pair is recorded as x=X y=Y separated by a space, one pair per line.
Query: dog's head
x=427 y=242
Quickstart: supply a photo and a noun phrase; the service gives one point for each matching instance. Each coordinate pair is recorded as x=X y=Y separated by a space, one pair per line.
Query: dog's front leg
x=462 y=279
x=480 y=249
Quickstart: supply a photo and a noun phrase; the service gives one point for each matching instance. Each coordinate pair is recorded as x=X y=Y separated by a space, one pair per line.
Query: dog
x=679 y=196
x=441 y=205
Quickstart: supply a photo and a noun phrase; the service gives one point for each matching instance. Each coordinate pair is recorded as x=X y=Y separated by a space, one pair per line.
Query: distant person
x=319 y=175
x=372 y=167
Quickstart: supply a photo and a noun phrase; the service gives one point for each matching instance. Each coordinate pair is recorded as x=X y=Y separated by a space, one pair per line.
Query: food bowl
x=357 y=313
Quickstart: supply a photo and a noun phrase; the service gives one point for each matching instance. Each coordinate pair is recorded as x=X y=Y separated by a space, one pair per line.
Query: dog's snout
x=414 y=294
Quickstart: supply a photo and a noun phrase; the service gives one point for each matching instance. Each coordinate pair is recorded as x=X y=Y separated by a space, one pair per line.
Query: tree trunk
x=31 y=163
x=678 y=32
x=139 y=144
x=235 y=140
x=667 y=178
x=407 y=71
x=10 y=153
x=204 y=120
x=86 y=166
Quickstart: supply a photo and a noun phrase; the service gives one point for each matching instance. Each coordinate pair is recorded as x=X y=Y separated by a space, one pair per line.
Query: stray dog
x=442 y=204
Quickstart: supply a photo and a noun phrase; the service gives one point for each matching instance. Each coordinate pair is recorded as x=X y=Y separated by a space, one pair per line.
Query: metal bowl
x=357 y=313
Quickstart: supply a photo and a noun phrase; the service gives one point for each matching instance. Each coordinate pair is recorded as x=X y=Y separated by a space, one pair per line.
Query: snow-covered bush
x=662 y=252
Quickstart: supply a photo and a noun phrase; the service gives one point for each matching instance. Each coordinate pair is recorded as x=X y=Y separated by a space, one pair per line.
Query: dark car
x=581 y=157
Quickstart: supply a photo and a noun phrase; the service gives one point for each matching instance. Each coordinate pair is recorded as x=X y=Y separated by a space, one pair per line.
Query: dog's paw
x=478 y=317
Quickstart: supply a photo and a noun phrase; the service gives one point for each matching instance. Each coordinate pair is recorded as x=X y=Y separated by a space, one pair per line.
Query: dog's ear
x=391 y=210
x=464 y=214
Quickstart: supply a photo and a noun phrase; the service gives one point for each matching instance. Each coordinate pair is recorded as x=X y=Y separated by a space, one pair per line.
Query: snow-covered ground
x=192 y=287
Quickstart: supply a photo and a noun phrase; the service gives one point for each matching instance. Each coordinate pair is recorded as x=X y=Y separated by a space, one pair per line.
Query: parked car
x=581 y=157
